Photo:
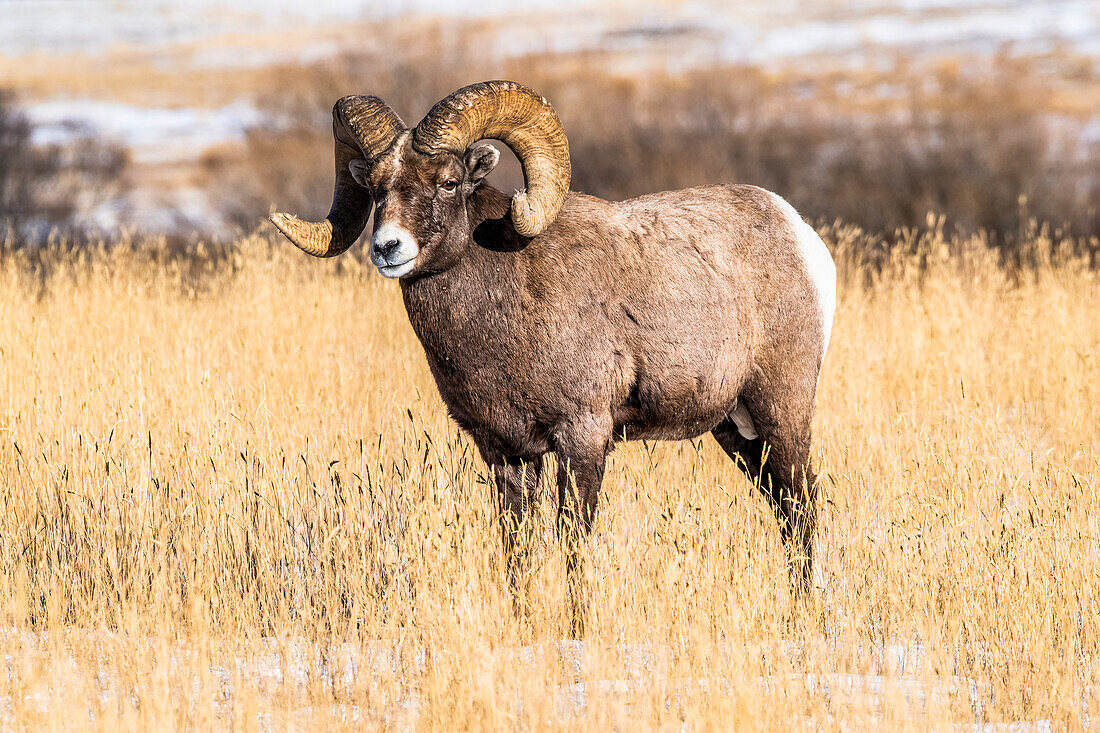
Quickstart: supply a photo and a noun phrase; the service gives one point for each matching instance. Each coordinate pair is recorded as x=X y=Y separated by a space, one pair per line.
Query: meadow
x=232 y=499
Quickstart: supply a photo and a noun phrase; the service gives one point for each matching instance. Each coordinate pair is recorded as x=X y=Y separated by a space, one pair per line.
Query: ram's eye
x=449 y=185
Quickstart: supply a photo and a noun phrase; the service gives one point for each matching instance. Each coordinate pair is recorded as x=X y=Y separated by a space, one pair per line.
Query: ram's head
x=421 y=179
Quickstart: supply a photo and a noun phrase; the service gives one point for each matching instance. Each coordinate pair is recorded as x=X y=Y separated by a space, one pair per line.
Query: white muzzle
x=393 y=250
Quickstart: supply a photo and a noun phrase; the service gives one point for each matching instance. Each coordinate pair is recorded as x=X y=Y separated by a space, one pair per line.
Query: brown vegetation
x=42 y=186
x=989 y=147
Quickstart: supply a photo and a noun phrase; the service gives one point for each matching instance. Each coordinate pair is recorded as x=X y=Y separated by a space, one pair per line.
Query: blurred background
x=192 y=119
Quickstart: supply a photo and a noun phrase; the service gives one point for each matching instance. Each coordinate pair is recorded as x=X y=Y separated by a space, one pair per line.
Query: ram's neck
x=487 y=203
x=448 y=309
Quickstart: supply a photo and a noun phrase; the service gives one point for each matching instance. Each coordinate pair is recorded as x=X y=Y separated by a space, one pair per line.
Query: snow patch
x=153 y=135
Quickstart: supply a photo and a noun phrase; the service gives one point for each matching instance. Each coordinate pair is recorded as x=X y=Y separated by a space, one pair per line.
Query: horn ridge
x=362 y=127
x=524 y=121
x=372 y=123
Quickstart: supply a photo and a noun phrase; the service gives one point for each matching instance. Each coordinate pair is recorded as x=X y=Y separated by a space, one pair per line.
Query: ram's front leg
x=516 y=481
x=582 y=447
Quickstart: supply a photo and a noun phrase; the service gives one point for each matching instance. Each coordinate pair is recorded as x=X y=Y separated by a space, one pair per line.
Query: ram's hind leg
x=774 y=450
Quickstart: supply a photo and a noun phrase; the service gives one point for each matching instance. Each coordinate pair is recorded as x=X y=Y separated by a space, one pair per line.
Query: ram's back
x=684 y=295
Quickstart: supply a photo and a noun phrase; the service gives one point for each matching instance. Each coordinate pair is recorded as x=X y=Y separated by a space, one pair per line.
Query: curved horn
x=362 y=127
x=522 y=120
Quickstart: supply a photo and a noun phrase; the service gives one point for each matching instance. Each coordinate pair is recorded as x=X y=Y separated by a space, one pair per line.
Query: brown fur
x=647 y=318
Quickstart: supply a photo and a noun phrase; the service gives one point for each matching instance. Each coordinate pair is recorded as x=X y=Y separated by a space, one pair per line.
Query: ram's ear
x=360 y=171
x=481 y=159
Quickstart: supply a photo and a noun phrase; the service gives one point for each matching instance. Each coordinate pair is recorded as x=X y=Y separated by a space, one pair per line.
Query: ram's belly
x=672 y=421
x=679 y=398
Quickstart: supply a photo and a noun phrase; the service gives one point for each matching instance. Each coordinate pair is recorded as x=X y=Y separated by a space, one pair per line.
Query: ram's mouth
x=398 y=269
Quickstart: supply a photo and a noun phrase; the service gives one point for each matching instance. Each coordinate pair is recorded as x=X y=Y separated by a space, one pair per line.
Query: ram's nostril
x=388 y=247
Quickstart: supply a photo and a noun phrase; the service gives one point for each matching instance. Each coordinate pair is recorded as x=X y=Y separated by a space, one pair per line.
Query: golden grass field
x=232 y=500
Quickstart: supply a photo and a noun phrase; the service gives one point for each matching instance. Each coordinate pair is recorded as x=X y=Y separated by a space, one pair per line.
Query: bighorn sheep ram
x=559 y=322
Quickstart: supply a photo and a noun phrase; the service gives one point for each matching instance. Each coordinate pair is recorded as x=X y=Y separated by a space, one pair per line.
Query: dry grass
x=232 y=499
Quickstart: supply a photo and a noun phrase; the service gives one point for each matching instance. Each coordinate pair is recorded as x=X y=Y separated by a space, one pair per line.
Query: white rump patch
x=743 y=420
x=819 y=266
